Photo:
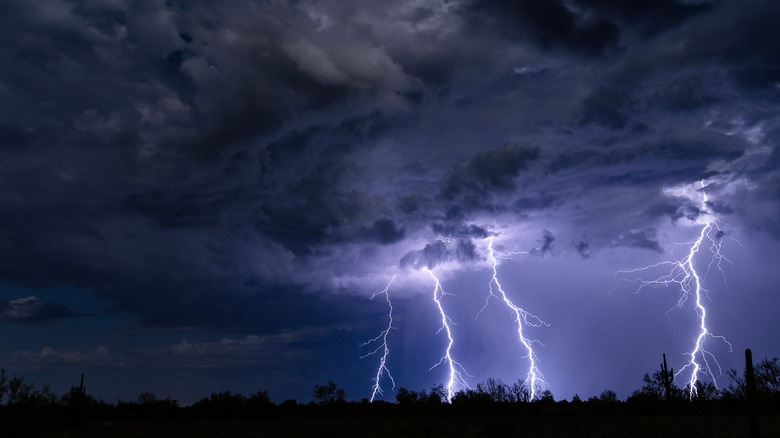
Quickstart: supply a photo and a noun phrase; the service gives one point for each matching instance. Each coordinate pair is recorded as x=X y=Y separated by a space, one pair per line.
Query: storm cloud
x=262 y=167
x=31 y=310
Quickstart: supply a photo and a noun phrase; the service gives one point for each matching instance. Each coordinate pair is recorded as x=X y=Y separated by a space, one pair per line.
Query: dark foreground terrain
x=748 y=407
x=483 y=426
x=389 y=420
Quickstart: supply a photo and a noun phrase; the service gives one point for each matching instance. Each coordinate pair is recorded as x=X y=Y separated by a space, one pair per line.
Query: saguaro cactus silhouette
x=750 y=396
x=667 y=377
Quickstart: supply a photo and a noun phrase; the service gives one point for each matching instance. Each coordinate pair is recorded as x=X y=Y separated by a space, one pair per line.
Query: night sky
x=199 y=196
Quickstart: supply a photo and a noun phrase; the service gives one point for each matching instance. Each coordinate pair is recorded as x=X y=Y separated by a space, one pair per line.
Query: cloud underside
x=31 y=310
x=229 y=352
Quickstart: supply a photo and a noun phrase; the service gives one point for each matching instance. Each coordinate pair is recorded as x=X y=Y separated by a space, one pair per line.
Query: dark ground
x=462 y=426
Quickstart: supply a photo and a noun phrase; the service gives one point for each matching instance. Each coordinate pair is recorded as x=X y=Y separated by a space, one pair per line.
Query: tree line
x=657 y=392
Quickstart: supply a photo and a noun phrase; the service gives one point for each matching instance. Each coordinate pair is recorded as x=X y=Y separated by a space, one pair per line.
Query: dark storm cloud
x=31 y=310
x=434 y=254
x=264 y=309
x=646 y=16
x=607 y=107
x=465 y=251
x=745 y=36
x=205 y=163
x=688 y=94
x=694 y=155
x=583 y=248
x=384 y=231
x=113 y=72
x=674 y=208
x=545 y=244
x=460 y=230
x=720 y=208
x=411 y=203
x=488 y=174
x=50 y=357
x=547 y=23
x=533 y=204
x=643 y=239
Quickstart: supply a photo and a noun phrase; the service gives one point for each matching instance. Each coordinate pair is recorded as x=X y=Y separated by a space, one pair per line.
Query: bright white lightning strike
x=376 y=388
x=455 y=368
x=684 y=274
x=534 y=377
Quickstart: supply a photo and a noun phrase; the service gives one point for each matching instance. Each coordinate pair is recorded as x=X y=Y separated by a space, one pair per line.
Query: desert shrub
x=328 y=394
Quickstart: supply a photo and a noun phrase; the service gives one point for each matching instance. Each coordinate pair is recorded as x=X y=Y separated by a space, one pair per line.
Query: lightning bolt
x=455 y=368
x=685 y=275
x=534 y=377
x=376 y=388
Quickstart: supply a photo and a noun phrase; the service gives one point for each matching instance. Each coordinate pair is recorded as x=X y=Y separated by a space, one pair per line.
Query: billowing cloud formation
x=434 y=254
x=545 y=244
x=32 y=310
x=207 y=165
x=489 y=173
x=548 y=24
x=640 y=239
x=224 y=352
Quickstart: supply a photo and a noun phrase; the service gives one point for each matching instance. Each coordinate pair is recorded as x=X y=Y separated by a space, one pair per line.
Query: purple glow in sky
x=198 y=196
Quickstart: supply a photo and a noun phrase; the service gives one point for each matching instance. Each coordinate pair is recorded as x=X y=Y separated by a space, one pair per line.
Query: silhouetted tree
x=260 y=398
x=147 y=398
x=767 y=382
x=17 y=392
x=259 y=403
x=607 y=396
x=437 y=395
x=471 y=397
x=768 y=379
x=737 y=389
x=329 y=393
x=655 y=387
x=521 y=392
x=151 y=401
x=3 y=385
x=496 y=391
x=546 y=396
x=289 y=404
x=407 y=397
x=223 y=404
x=224 y=399
x=39 y=398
